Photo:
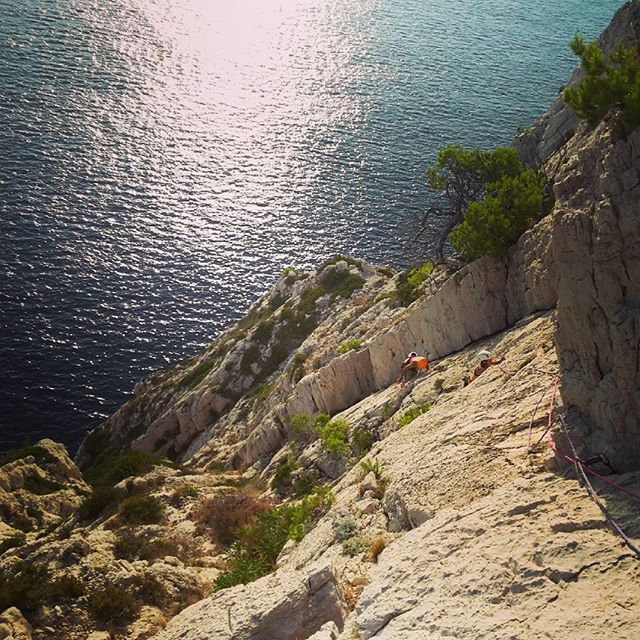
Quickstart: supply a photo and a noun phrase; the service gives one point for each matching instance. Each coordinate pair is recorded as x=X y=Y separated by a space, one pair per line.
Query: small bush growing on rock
x=111 y=603
x=355 y=545
x=21 y=586
x=150 y=590
x=143 y=509
x=376 y=547
x=303 y=486
x=369 y=466
x=263 y=331
x=181 y=493
x=303 y=428
x=225 y=514
x=410 y=283
x=131 y=546
x=41 y=455
x=116 y=468
x=342 y=284
x=388 y=410
x=334 y=437
x=297 y=368
x=250 y=356
x=352 y=344
x=28 y=585
x=281 y=481
x=411 y=414
x=41 y=485
x=615 y=81
x=344 y=528
x=197 y=374
x=263 y=392
x=12 y=542
x=354 y=262
x=361 y=441
x=258 y=546
x=96 y=503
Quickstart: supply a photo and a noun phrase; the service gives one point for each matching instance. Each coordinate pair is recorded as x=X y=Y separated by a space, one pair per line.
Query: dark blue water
x=162 y=160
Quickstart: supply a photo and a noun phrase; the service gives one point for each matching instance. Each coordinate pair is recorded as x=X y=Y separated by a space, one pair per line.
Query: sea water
x=161 y=161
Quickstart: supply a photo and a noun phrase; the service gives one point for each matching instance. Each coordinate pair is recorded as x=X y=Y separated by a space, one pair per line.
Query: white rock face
x=596 y=245
x=287 y=605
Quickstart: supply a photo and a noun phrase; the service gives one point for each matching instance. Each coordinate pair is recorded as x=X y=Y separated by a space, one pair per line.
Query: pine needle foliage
x=608 y=82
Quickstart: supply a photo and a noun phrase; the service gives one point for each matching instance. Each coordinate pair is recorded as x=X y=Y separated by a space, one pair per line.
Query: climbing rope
x=553 y=384
x=581 y=467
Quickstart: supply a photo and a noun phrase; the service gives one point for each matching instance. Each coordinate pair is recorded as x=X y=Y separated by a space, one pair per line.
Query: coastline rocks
x=39 y=488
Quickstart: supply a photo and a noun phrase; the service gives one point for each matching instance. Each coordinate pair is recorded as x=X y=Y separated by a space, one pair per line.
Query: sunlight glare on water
x=161 y=161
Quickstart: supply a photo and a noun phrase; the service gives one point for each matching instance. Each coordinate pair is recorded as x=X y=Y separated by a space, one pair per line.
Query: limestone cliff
x=465 y=520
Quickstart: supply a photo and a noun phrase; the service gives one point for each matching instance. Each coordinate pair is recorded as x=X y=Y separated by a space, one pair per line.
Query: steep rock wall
x=596 y=238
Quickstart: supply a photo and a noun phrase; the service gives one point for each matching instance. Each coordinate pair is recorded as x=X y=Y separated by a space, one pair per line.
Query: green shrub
x=308 y=298
x=344 y=528
x=374 y=467
x=143 y=509
x=101 y=498
x=243 y=568
x=225 y=514
x=341 y=283
x=410 y=283
x=361 y=441
x=27 y=585
x=197 y=374
x=334 y=437
x=263 y=331
x=411 y=414
x=352 y=344
x=41 y=455
x=355 y=545
x=12 y=542
x=40 y=485
x=281 y=481
x=250 y=356
x=388 y=410
x=262 y=392
x=150 y=590
x=297 y=368
x=118 y=467
x=111 y=603
x=386 y=271
x=259 y=545
x=65 y=586
x=131 y=546
x=182 y=492
x=303 y=486
x=511 y=206
x=615 y=81
x=303 y=428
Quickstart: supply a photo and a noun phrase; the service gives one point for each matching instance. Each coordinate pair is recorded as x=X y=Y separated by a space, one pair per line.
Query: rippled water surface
x=162 y=160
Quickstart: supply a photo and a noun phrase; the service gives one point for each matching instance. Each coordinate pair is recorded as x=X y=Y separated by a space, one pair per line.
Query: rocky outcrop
x=13 y=625
x=596 y=239
x=479 y=539
x=38 y=489
x=288 y=605
x=552 y=130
